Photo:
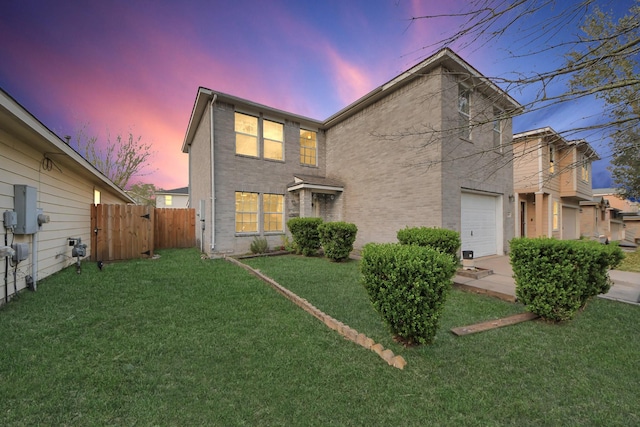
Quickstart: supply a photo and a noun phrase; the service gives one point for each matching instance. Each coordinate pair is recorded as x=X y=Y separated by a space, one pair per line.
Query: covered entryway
x=314 y=196
x=479 y=223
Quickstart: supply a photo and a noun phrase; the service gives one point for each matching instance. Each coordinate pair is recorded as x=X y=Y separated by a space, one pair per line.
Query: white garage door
x=478 y=231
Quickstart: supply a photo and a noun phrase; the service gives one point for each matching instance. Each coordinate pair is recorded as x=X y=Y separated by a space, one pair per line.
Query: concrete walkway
x=626 y=287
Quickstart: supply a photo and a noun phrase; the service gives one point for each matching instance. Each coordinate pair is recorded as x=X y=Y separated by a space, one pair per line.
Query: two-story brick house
x=432 y=147
x=551 y=177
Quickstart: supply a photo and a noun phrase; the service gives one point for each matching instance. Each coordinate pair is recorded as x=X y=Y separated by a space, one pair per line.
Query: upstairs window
x=552 y=158
x=246 y=135
x=584 y=169
x=273 y=136
x=497 y=129
x=464 y=120
x=308 y=148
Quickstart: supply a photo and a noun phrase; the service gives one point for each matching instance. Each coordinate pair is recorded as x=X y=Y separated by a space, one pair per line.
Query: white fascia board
x=51 y=138
x=199 y=105
x=316 y=187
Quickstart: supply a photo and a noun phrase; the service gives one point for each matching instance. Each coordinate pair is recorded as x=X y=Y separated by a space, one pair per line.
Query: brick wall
x=240 y=173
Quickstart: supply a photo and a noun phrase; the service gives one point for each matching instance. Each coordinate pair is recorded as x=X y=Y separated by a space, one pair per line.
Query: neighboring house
x=623 y=205
x=628 y=212
x=38 y=169
x=599 y=220
x=431 y=147
x=176 y=198
x=552 y=176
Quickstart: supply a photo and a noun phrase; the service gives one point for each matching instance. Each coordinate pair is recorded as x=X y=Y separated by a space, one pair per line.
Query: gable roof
x=553 y=136
x=445 y=57
x=206 y=96
x=181 y=190
x=16 y=119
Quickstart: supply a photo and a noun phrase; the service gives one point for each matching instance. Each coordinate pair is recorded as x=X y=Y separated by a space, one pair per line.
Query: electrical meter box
x=21 y=251
x=25 y=200
x=10 y=219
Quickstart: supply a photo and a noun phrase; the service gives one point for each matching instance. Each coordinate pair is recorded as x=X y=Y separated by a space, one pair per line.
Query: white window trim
x=258 y=215
x=263 y=213
x=258 y=137
x=462 y=86
x=316 y=148
x=262 y=139
x=500 y=129
x=554 y=216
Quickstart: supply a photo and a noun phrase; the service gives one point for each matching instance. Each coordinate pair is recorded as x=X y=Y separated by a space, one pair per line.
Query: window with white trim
x=246 y=128
x=273 y=140
x=464 y=119
x=552 y=159
x=96 y=197
x=272 y=212
x=585 y=168
x=556 y=215
x=246 y=212
x=497 y=128
x=308 y=148
x=168 y=200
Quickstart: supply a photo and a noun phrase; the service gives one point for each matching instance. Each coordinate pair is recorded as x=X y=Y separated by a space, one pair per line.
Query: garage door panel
x=478 y=231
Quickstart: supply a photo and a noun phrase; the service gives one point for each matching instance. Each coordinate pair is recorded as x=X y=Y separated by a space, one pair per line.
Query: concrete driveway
x=626 y=287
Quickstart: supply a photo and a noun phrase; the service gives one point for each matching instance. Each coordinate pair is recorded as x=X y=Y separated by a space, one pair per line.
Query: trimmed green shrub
x=337 y=239
x=306 y=238
x=555 y=278
x=446 y=241
x=407 y=285
x=259 y=245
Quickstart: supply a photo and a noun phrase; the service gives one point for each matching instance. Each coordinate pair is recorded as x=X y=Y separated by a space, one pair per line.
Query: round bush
x=407 y=286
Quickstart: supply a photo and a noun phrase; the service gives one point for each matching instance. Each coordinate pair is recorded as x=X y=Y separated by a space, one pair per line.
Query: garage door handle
x=472 y=232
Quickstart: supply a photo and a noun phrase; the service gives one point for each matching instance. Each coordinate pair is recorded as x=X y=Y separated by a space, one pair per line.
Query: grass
x=185 y=341
x=631 y=262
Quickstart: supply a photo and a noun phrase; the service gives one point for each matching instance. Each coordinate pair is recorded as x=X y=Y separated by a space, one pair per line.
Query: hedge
x=337 y=239
x=556 y=278
x=306 y=238
x=407 y=285
x=446 y=241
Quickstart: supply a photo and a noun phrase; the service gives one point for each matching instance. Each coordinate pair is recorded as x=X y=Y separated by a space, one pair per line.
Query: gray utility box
x=25 y=200
x=21 y=251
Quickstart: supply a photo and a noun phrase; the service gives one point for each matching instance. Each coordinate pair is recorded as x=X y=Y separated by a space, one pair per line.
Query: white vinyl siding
x=64 y=193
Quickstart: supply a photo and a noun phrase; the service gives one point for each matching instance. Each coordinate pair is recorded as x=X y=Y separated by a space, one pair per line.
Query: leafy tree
x=564 y=69
x=610 y=70
x=625 y=164
x=143 y=194
x=119 y=160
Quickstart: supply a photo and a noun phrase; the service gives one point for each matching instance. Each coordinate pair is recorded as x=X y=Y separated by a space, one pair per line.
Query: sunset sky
x=135 y=65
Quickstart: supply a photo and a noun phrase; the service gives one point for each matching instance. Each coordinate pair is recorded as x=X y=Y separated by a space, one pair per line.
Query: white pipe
x=34 y=260
x=213 y=181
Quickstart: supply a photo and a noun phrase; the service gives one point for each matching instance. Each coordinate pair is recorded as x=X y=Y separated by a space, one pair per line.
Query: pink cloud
x=350 y=80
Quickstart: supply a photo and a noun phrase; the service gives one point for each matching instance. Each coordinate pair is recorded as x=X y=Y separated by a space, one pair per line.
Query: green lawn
x=184 y=341
x=631 y=262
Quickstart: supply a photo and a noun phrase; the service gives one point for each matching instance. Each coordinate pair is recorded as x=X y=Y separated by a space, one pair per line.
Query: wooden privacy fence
x=174 y=228
x=129 y=231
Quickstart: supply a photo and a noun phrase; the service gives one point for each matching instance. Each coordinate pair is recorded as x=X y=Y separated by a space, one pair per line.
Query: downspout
x=34 y=260
x=213 y=180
